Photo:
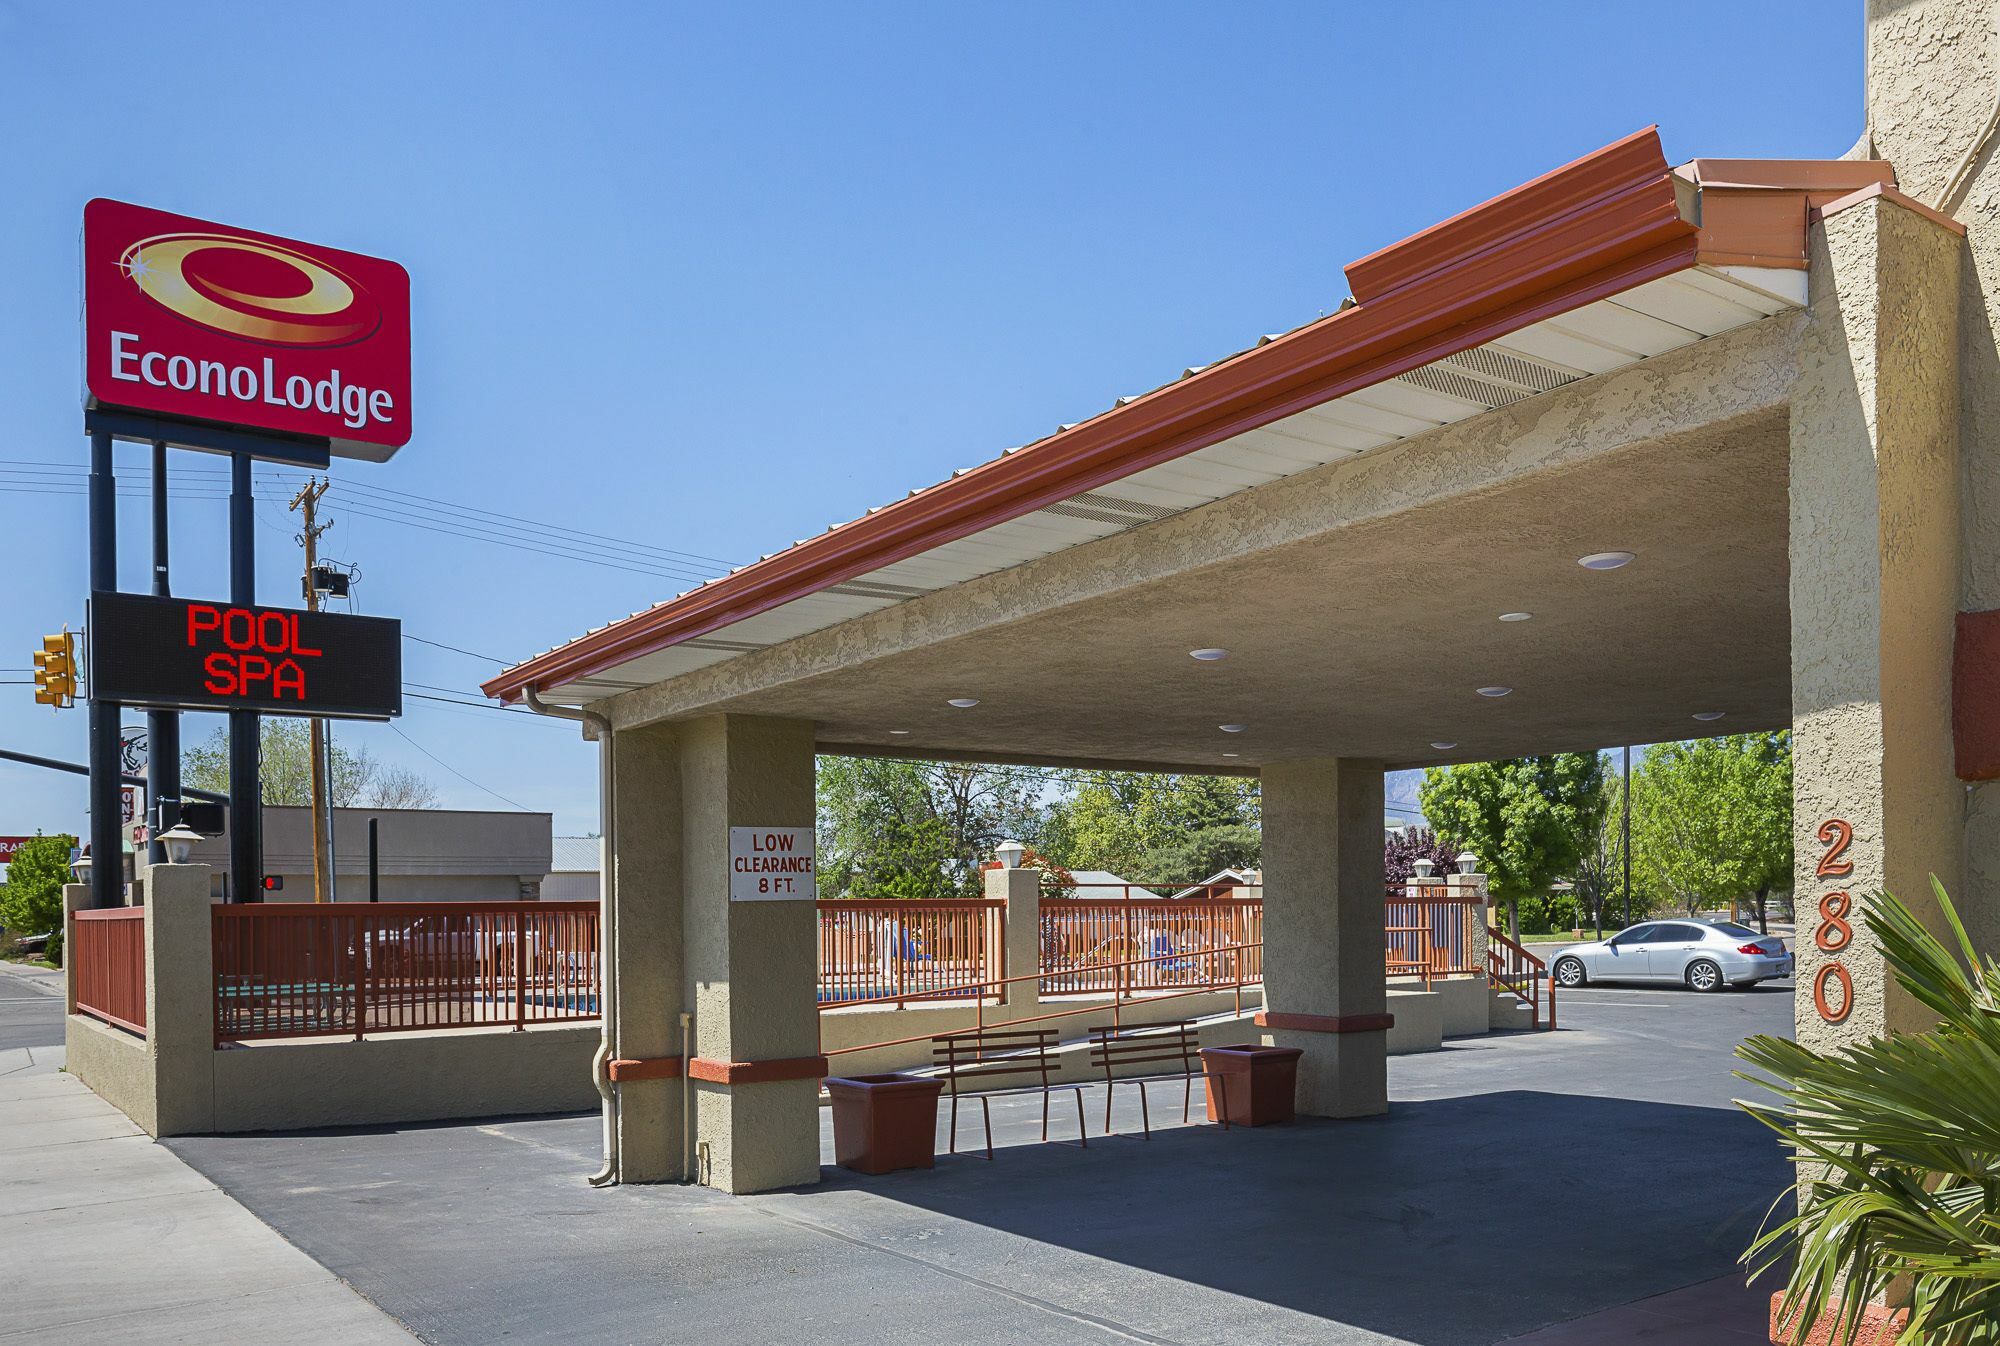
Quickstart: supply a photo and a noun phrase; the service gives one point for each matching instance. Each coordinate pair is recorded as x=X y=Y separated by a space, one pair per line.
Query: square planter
x=884 y=1122
x=1258 y=1084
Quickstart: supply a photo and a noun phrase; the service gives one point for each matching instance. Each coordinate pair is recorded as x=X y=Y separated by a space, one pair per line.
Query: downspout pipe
x=598 y=727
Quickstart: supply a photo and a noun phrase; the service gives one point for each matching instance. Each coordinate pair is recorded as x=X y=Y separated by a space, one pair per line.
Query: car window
x=1675 y=934
x=1735 y=931
x=1638 y=934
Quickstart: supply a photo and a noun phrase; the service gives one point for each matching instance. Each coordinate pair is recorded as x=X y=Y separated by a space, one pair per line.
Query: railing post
x=361 y=945
x=520 y=971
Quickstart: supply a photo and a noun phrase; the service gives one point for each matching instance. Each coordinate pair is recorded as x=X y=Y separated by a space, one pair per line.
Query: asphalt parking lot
x=1518 y=1181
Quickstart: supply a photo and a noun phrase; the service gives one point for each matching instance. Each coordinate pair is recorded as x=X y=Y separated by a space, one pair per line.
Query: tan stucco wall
x=114 y=1064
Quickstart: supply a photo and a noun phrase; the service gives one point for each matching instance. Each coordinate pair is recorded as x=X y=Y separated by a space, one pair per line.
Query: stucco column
x=650 y=976
x=1875 y=584
x=751 y=965
x=1324 y=886
x=1021 y=890
x=76 y=897
x=1471 y=890
x=180 y=998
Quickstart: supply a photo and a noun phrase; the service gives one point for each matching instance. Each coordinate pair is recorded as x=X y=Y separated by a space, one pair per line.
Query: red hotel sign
x=187 y=318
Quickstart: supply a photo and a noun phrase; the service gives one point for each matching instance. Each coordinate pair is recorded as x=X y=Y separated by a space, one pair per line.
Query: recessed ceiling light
x=899 y=731
x=1232 y=754
x=1232 y=728
x=1604 y=560
x=963 y=702
x=1515 y=616
x=1710 y=714
x=1444 y=747
x=1495 y=691
x=1208 y=656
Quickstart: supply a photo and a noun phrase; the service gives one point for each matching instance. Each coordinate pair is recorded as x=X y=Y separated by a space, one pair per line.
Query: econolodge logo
x=195 y=320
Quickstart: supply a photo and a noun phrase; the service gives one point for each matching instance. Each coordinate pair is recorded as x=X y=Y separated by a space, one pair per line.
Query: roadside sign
x=10 y=847
x=187 y=654
x=186 y=318
x=771 y=864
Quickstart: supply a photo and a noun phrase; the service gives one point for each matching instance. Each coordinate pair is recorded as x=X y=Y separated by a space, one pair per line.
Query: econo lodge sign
x=191 y=319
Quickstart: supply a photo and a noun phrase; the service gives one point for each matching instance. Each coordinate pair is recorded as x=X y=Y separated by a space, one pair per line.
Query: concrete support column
x=1324 y=984
x=751 y=965
x=76 y=897
x=1021 y=890
x=650 y=975
x=1875 y=479
x=180 y=999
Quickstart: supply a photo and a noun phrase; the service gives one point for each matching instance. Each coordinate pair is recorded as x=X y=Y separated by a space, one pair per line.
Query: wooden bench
x=1170 y=1044
x=972 y=1059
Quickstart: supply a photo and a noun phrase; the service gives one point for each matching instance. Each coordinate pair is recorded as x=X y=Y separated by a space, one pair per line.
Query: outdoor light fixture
x=1232 y=728
x=1009 y=854
x=1710 y=714
x=1515 y=616
x=963 y=702
x=1423 y=866
x=1604 y=560
x=179 y=840
x=80 y=868
x=1444 y=747
x=1208 y=656
x=1495 y=691
x=1468 y=863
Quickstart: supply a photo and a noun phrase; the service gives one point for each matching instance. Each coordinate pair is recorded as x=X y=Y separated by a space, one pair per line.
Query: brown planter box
x=1260 y=1084
x=1879 y=1327
x=884 y=1122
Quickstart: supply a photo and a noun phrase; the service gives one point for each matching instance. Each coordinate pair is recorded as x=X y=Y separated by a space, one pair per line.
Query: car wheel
x=1702 y=975
x=1569 y=972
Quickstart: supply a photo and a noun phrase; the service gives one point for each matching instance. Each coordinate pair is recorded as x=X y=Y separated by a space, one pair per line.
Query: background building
x=424 y=855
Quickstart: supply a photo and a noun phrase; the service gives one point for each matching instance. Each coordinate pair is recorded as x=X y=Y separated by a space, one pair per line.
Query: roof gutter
x=1612 y=220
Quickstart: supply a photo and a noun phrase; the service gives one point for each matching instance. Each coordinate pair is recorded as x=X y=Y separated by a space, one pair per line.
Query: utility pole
x=307 y=502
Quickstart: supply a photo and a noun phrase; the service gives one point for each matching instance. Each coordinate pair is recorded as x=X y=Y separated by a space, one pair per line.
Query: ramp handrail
x=1510 y=967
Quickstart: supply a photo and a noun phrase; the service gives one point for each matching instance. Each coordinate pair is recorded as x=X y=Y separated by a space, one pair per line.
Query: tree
x=898 y=829
x=285 y=763
x=1525 y=818
x=31 y=901
x=1165 y=828
x=1712 y=819
x=1405 y=847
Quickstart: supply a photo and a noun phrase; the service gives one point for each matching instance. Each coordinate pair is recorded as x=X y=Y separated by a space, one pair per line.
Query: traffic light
x=55 y=671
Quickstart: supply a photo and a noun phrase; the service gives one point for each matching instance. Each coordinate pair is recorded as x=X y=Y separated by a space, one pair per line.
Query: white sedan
x=1702 y=955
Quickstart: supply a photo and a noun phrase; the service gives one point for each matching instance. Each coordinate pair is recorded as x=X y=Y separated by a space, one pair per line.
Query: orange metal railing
x=1511 y=967
x=108 y=964
x=304 y=970
x=1198 y=941
x=1129 y=990
x=908 y=950
x=1432 y=932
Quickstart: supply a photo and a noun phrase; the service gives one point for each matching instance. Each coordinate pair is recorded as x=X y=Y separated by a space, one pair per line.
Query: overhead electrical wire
x=455 y=771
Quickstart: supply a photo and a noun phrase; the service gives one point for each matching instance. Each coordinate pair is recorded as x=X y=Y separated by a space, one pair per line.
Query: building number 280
x=1834 y=933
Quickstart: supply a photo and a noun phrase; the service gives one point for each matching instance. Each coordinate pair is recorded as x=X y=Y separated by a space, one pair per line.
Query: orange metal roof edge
x=1597 y=226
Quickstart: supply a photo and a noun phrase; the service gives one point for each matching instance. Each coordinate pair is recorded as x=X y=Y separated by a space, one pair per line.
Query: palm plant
x=1897 y=1142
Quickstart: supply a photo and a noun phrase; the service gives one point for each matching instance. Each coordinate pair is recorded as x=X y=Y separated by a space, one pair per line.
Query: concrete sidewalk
x=107 y=1236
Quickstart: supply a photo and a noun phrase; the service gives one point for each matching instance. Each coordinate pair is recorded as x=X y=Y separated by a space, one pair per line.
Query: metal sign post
x=163 y=727
x=107 y=847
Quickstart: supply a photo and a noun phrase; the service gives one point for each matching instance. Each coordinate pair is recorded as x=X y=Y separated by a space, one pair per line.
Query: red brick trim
x=1327 y=1023
x=1975 y=695
x=756 y=1072
x=647 y=1068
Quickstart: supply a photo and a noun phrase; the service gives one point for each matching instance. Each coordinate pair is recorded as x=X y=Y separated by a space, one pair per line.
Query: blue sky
x=706 y=279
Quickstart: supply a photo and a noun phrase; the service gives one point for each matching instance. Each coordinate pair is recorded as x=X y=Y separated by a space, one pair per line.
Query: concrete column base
x=757 y=1137
x=1341 y=1074
x=650 y=1143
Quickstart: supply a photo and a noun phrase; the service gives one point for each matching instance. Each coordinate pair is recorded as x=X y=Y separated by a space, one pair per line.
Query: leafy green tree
x=31 y=900
x=1525 y=818
x=1167 y=828
x=899 y=829
x=1712 y=819
x=285 y=758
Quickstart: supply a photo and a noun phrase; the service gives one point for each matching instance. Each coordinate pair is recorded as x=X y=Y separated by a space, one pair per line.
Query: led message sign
x=186 y=654
x=191 y=319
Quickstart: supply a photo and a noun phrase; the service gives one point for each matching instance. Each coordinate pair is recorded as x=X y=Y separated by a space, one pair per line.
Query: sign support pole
x=246 y=801
x=107 y=846
x=163 y=727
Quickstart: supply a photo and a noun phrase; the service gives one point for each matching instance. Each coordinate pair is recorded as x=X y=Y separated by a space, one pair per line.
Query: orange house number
x=1834 y=932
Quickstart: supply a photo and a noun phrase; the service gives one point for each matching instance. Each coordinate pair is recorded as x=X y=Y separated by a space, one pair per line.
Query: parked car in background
x=1702 y=955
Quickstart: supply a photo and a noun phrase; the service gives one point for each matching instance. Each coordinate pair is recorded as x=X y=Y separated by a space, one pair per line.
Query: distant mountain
x=1400 y=799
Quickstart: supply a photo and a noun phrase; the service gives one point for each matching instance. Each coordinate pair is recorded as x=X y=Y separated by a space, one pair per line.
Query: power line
x=455 y=771
x=456 y=650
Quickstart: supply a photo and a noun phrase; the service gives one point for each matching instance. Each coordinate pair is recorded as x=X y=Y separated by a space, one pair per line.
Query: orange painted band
x=647 y=1068
x=1327 y=1023
x=1975 y=695
x=756 y=1072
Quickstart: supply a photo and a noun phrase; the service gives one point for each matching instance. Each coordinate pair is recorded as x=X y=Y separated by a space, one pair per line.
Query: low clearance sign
x=186 y=318
x=185 y=654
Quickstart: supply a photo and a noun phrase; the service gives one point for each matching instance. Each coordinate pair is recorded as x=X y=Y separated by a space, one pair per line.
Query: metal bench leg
x=954 y=1121
x=1045 y=1114
x=986 y=1107
x=1082 y=1135
x=1107 y=1101
x=1145 y=1119
x=1187 y=1095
